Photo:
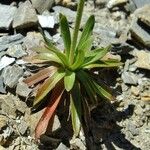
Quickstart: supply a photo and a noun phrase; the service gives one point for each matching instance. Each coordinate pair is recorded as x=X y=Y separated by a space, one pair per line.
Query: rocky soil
x=121 y=125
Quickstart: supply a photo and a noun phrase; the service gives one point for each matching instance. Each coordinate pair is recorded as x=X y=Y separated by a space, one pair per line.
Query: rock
x=62 y=147
x=32 y=40
x=11 y=75
x=20 y=105
x=16 y=51
x=71 y=15
x=42 y=5
x=7 y=41
x=114 y=3
x=100 y=3
x=56 y=124
x=143 y=14
x=3 y=121
x=46 y=21
x=5 y=61
x=2 y=88
x=140 y=3
x=129 y=78
x=77 y=144
x=10 y=104
x=132 y=128
x=7 y=13
x=22 y=127
x=2 y=148
x=104 y=32
x=25 y=16
x=23 y=89
x=32 y=120
x=130 y=6
x=143 y=59
x=135 y=90
x=139 y=110
x=140 y=34
x=7 y=106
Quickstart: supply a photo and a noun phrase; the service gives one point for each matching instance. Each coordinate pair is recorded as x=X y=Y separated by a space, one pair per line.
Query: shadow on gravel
x=105 y=130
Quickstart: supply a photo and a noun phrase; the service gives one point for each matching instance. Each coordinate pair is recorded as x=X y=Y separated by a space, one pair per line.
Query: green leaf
x=69 y=80
x=49 y=57
x=41 y=49
x=85 y=80
x=65 y=32
x=78 y=60
x=102 y=92
x=86 y=46
x=103 y=64
x=87 y=31
x=48 y=85
x=55 y=50
x=75 y=109
x=96 y=55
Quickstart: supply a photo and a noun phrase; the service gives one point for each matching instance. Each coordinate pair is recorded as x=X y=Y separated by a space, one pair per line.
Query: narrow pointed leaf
x=78 y=60
x=69 y=80
x=86 y=46
x=62 y=56
x=102 y=92
x=98 y=54
x=39 y=76
x=48 y=57
x=48 y=85
x=49 y=111
x=103 y=64
x=40 y=49
x=87 y=31
x=49 y=45
x=65 y=32
x=86 y=82
x=75 y=108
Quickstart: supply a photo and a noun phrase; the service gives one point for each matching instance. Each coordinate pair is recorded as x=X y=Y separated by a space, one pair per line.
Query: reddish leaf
x=49 y=110
x=39 y=76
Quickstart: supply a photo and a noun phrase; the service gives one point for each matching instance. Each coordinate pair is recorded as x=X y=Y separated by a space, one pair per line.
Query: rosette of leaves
x=71 y=73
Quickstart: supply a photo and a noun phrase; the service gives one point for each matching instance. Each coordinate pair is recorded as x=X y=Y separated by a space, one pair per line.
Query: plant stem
x=76 y=30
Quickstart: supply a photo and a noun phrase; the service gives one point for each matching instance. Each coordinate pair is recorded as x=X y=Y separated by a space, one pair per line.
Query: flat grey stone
x=5 y=61
x=16 y=51
x=105 y=32
x=129 y=78
x=143 y=59
x=25 y=16
x=140 y=34
x=62 y=147
x=141 y=3
x=2 y=88
x=22 y=127
x=11 y=75
x=7 y=41
x=42 y=5
x=71 y=15
x=6 y=16
x=23 y=89
x=143 y=14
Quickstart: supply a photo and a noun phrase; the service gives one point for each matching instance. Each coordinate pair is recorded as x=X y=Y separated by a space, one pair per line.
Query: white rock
x=113 y=3
x=5 y=61
x=46 y=21
x=6 y=16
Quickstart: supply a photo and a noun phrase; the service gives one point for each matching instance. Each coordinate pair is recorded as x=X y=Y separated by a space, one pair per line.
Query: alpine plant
x=71 y=73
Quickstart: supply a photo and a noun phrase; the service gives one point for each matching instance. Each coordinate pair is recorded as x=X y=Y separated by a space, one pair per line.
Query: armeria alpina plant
x=71 y=73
